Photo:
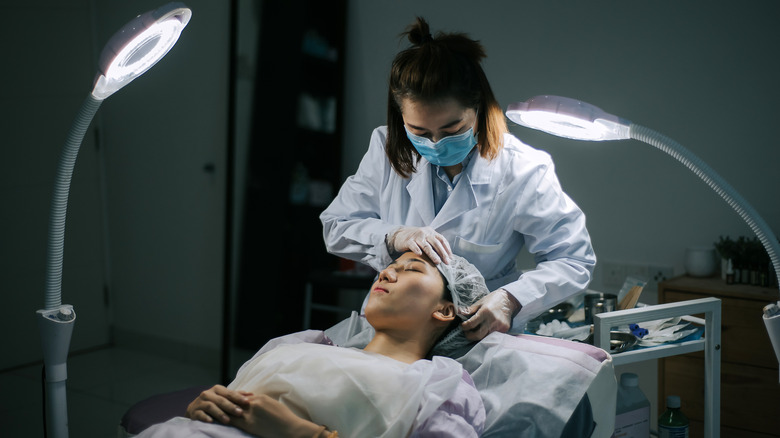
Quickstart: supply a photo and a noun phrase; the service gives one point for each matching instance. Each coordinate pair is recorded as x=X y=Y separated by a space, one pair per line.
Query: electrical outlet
x=614 y=274
x=658 y=274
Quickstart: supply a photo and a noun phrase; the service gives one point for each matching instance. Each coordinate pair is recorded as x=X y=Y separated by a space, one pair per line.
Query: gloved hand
x=421 y=240
x=492 y=313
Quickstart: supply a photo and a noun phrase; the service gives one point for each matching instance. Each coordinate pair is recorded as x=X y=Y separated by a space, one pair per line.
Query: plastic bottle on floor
x=673 y=423
x=632 y=419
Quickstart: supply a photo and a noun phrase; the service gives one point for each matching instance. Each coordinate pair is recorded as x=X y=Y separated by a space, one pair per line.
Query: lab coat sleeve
x=463 y=415
x=352 y=225
x=554 y=230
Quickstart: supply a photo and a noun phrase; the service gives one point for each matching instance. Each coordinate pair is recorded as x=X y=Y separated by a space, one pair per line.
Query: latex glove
x=421 y=240
x=218 y=403
x=492 y=313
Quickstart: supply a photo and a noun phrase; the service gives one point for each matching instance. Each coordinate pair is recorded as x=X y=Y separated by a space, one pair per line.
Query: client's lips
x=380 y=289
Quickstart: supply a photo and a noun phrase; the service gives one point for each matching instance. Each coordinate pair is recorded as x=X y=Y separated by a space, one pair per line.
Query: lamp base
x=772 y=322
x=56 y=327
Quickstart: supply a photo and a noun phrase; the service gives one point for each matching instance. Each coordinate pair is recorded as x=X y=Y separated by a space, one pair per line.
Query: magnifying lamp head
x=136 y=47
x=569 y=118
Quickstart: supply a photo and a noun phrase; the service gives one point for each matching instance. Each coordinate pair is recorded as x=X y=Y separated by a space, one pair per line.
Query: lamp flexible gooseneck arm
x=56 y=320
x=717 y=183
x=771 y=315
x=59 y=202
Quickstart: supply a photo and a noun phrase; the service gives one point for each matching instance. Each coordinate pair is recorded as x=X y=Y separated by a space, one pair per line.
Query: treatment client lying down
x=301 y=385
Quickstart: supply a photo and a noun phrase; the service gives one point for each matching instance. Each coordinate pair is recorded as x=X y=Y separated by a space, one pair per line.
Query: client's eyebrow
x=409 y=260
x=418 y=260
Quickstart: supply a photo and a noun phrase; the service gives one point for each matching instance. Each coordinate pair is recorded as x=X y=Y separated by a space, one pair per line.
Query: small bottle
x=673 y=423
x=729 y=273
x=632 y=419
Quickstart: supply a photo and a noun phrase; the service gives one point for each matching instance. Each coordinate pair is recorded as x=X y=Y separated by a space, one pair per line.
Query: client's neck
x=403 y=348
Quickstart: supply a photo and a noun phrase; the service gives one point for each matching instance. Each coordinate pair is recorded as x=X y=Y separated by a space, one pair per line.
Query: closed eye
x=411 y=264
x=415 y=266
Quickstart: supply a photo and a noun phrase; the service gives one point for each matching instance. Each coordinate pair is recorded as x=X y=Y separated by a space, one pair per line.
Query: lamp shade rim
x=138 y=45
x=568 y=118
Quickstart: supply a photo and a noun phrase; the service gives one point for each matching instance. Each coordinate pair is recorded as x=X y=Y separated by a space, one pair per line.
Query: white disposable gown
x=358 y=393
x=495 y=209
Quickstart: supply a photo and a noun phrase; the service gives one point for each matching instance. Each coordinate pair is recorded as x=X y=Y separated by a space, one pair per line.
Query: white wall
x=703 y=73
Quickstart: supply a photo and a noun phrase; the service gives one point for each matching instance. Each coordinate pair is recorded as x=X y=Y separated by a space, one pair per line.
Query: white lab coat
x=496 y=208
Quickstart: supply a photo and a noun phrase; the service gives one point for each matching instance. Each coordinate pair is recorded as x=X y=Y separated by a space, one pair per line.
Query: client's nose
x=388 y=274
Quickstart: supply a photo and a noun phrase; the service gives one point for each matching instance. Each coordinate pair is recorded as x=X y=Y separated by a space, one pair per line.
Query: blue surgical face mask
x=448 y=151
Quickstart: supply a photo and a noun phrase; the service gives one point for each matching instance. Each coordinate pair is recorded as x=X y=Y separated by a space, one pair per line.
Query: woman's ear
x=445 y=313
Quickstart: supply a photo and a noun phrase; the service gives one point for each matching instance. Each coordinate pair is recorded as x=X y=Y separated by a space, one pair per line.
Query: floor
x=102 y=385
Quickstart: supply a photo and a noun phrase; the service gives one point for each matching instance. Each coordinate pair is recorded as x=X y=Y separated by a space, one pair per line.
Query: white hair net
x=467 y=286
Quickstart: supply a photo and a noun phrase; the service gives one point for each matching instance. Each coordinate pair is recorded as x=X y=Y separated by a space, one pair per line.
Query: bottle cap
x=771 y=310
x=673 y=401
x=629 y=379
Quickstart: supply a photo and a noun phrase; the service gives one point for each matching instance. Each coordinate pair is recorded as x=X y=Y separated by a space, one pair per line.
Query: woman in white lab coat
x=445 y=176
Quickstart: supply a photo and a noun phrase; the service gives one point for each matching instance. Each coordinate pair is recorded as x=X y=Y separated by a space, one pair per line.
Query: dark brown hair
x=433 y=70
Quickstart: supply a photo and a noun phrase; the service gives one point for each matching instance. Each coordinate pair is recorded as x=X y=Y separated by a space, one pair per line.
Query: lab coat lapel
x=420 y=192
x=464 y=197
x=460 y=201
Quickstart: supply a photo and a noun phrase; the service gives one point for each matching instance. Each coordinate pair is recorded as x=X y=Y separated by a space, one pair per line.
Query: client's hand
x=421 y=240
x=492 y=313
x=267 y=417
x=218 y=403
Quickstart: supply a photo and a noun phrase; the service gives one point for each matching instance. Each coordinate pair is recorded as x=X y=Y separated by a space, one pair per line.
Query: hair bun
x=419 y=33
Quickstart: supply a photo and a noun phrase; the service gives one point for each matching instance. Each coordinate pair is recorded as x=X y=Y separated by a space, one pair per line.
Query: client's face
x=408 y=290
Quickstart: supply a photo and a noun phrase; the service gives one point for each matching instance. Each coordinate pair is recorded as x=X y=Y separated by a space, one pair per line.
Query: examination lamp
x=577 y=120
x=128 y=54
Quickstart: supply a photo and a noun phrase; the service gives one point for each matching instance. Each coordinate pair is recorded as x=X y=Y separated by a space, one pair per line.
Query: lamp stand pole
x=56 y=320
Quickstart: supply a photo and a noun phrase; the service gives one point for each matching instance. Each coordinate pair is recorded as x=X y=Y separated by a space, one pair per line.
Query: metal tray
x=618 y=341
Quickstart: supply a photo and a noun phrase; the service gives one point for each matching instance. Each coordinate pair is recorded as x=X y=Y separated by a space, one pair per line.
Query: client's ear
x=445 y=313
